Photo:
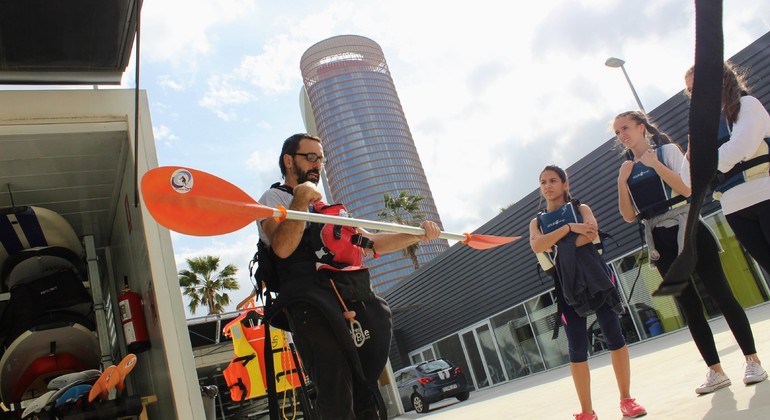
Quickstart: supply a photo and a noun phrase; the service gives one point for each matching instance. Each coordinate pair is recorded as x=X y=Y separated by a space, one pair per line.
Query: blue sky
x=492 y=93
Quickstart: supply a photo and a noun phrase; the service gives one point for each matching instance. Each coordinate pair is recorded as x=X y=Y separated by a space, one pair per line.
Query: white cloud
x=163 y=134
x=179 y=31
x=276 y=69
x=223 y=94
x=168 y=82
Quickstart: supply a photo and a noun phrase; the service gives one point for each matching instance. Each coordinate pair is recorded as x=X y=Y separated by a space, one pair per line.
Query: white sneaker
x=714 y=381
x=754 y=373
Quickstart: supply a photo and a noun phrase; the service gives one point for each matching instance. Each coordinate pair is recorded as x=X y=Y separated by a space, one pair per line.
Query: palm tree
x=202 y=283
x=404 y=209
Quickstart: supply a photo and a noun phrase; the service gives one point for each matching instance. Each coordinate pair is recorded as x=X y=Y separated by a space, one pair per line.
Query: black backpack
x=265 y=275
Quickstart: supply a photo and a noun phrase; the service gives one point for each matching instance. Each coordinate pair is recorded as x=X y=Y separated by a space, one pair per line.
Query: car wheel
x=420 y=406
x=464 y=396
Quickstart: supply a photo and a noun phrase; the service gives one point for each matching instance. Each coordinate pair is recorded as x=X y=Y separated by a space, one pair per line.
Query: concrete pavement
x=665 y=372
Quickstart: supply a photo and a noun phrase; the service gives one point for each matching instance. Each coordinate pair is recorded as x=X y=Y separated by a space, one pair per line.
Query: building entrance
x=483 y=356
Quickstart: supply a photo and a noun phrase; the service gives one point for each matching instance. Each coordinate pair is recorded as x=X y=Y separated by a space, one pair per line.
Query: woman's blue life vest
x=650 y=195
x=547 y=222
x=756 y=167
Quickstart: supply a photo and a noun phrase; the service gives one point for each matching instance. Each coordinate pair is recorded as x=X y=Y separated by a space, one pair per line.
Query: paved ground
x=665 y=369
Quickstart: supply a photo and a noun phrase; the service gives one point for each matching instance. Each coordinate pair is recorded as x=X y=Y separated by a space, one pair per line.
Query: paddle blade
x=101 y=388
x=197 y=203
x=488 y=241
x=124 y=368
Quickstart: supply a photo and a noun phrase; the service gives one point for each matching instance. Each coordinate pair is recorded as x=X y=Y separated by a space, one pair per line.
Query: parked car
x=425 y=383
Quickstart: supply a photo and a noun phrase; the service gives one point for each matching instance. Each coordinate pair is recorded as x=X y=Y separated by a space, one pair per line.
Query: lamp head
x=614 y=62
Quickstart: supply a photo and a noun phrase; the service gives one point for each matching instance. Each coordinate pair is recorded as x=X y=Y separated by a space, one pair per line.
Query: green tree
x=205 y=286
x=404 y=209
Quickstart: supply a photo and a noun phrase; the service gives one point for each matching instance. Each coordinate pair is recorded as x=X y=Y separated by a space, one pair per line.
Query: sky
x=492 y=91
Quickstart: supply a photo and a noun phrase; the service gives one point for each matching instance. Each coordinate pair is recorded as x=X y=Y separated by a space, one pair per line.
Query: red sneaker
x=630 y=408
x=586 y=416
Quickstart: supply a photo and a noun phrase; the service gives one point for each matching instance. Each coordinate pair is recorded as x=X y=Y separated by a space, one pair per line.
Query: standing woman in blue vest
x=583 y=285
x=651 y=189
x=744 y=190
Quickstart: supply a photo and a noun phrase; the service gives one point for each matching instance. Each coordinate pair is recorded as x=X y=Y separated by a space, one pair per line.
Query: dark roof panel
x=65 y=42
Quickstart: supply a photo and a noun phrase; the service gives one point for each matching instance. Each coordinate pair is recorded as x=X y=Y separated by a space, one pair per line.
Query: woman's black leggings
x=752 y=229
x=709 y=269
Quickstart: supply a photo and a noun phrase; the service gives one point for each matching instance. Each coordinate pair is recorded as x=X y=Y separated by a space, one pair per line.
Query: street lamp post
x=616 y=62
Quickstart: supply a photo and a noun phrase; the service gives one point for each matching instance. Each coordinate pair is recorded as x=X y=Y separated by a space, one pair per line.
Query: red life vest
x=335 y=244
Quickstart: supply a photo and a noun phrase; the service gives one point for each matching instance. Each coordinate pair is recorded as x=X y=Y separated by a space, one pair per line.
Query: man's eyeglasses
x=311 y=157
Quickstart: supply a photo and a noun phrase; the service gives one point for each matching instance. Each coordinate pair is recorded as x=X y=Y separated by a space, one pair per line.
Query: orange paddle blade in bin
x=104 y=384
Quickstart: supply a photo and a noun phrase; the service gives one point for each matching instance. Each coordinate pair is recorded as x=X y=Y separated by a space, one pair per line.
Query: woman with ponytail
x=651 y=190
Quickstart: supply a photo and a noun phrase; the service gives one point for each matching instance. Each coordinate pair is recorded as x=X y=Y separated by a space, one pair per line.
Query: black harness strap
x=721 y=178
x=705 y=109
x=657 y=208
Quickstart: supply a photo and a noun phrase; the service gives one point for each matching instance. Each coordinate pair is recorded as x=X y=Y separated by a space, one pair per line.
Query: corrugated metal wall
x=464 y=286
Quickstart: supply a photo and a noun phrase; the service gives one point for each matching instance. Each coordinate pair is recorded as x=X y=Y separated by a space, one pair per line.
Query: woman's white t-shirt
x=749 y=131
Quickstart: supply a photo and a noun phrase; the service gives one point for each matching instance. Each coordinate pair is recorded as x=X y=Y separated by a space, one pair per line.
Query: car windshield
x=434 y=366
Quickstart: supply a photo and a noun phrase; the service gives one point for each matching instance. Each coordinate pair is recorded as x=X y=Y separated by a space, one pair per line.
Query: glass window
x=744 y=279
x=488 y=349
x=542 y=315
x=653 y=315
x=477 y=364
x=450 y=348
x=516 y=341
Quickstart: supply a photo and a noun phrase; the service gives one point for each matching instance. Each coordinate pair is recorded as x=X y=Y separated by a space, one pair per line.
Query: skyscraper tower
x=352 y=103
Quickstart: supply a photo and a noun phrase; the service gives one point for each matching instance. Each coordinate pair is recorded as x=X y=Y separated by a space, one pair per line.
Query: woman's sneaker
x=754 y=373
x=586 y=416
x=714 y=381
x=630 y=408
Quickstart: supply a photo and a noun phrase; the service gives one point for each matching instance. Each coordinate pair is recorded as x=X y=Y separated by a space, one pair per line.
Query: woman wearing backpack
x=584 y=285
x=651 y=189
x=744 y=137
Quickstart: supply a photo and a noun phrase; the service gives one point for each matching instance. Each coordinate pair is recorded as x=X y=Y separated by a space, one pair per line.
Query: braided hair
x=653 y=133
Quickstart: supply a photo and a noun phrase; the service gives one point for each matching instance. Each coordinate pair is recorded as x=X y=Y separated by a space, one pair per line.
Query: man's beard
x=302 y=176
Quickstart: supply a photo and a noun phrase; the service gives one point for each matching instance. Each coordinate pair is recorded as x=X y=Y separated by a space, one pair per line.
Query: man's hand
x=431 y=231
x=305 y=194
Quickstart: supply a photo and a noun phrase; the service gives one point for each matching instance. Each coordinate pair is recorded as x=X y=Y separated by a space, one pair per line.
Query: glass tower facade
x=351 y=103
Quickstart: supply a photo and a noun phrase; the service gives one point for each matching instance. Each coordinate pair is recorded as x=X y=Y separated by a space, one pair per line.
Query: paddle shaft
x=366 y=224
x=197 y=203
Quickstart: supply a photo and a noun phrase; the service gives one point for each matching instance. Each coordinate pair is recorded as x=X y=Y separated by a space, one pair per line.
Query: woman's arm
x=625 y=206
x=543 y=242
x=589 y=229
x=673 y=156
x=749 y=130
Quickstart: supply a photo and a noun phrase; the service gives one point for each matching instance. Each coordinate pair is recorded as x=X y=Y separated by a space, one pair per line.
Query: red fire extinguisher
x=134 y=326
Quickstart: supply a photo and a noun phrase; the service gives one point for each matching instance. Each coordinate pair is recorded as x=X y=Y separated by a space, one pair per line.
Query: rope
x=349 y=315
x=703 y=122
x=288 y=374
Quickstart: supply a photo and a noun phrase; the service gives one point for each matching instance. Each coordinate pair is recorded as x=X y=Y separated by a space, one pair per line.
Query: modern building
x=493 y=314
x=352 y=104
